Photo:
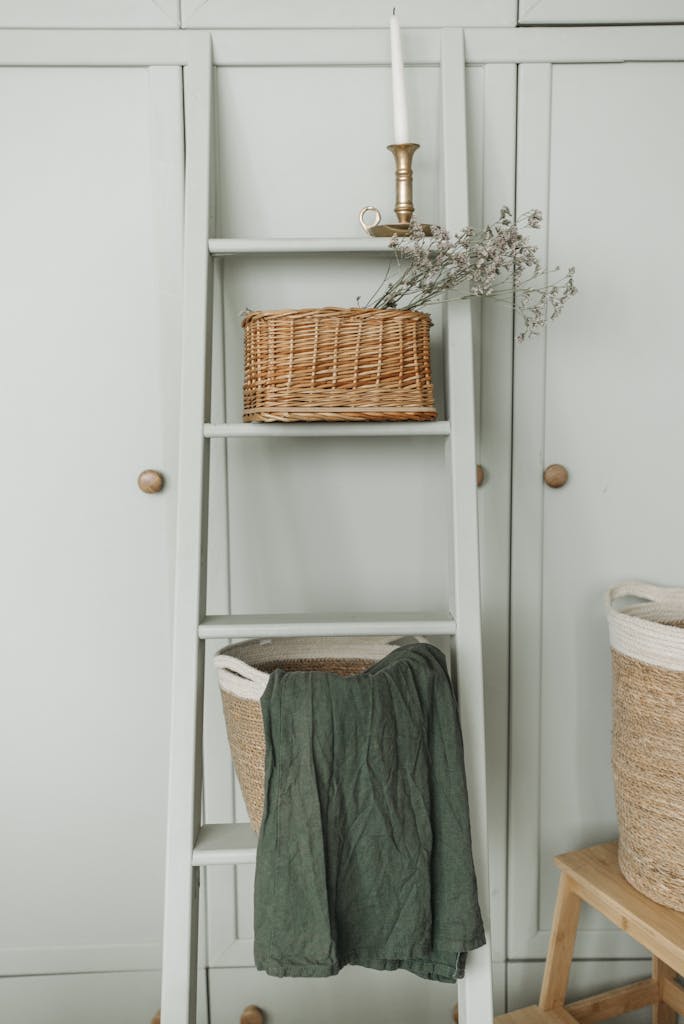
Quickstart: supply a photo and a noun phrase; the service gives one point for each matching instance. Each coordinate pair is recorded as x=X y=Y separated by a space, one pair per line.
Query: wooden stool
x=593 y=876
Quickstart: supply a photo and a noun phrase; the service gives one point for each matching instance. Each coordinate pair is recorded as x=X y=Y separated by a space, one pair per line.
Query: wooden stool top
x=596 y=877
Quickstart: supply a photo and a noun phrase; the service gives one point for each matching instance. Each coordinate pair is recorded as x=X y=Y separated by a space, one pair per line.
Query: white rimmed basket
x=243 y=671
x=647 y=648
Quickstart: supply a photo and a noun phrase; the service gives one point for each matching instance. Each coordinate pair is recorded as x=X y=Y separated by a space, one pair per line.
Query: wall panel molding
x=353 y=14
x=599 y=12
x=89 y=13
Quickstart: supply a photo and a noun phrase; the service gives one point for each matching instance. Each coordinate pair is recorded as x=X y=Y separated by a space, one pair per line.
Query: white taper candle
x=401 y=133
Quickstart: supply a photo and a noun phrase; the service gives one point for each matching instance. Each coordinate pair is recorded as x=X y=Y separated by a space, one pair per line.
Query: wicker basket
x=337 y=364
x=647 y=647
x=243 y=673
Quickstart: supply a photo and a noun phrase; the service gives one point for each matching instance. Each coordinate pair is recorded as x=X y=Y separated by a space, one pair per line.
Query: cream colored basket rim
x=642 y=630
x=238 y=664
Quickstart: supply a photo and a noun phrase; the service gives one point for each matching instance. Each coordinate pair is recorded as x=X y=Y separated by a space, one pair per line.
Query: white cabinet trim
x=358 y=14
x=575 y=45
x=495 y=398
x=76 y=14
x=39 y=960
x=322 y=47
x=598 y=12
x=534 y=109
x=92 y=48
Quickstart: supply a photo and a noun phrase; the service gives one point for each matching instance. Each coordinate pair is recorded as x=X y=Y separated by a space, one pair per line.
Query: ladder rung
x=225 y=844
x=233 y=627
x=431 y=428
x=298 y=246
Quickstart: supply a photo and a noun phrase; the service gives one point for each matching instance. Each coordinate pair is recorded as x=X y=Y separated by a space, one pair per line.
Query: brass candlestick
x=404 y=209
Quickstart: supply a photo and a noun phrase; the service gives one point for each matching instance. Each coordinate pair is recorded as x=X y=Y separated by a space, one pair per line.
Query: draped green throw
x=364 y=852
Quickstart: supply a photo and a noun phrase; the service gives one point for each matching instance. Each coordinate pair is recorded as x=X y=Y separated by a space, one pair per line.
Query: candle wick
x=394 y=11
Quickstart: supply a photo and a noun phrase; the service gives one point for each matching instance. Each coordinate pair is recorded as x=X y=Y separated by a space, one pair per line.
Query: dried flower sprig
x=497 y=261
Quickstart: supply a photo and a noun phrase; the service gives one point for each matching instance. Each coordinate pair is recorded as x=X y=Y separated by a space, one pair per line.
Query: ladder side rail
x=179 y=966
x=475 y=989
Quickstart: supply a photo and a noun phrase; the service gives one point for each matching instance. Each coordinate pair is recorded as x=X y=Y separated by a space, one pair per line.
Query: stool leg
x=561 y=946
x=661 y=1012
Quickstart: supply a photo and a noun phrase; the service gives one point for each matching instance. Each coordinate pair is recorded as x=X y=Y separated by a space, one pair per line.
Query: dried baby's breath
x=497 y=261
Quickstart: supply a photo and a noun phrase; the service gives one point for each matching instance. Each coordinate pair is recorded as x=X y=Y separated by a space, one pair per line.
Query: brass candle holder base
x=404 y=209
x=379 y=230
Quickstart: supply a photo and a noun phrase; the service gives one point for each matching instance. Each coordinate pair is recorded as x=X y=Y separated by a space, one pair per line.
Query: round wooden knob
x=555 y=475
x=150 y=481
x=252 y=1015
x=480 y=475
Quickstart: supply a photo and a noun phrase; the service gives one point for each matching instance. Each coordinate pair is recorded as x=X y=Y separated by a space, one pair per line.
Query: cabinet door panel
x=87 y=398
x=354 y=994
x=54 y=999
x=601 y=395
x=118 y=997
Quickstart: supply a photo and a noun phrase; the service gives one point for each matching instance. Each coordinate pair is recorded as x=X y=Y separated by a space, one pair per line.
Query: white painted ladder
x=189 y=844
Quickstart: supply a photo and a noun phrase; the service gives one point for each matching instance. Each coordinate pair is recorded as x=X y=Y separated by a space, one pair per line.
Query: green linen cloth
x=364 y=854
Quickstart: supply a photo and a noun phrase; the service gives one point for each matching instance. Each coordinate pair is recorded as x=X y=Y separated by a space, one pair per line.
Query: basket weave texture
x=337 y=364
x=243 y=674
x=647 y=651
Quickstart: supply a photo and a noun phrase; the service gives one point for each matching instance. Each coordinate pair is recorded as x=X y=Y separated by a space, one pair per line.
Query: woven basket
x=647 y=647
x=337 y=364
x=243 y=673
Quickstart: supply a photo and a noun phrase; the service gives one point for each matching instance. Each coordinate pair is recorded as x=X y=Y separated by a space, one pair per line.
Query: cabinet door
x=602 y=395
x=91 y=187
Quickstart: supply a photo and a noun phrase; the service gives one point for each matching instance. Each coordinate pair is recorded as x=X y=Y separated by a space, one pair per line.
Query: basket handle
x=241 y=669
x=645 y=592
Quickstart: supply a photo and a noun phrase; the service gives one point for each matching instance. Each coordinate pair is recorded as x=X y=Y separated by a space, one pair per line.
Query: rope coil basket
x=243 y=671
x=647 y=650
x=337 y=364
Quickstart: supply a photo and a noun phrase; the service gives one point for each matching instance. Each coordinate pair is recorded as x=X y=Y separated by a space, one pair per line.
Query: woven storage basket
x=647 y=647
x=243 y=673
x=337 y=364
